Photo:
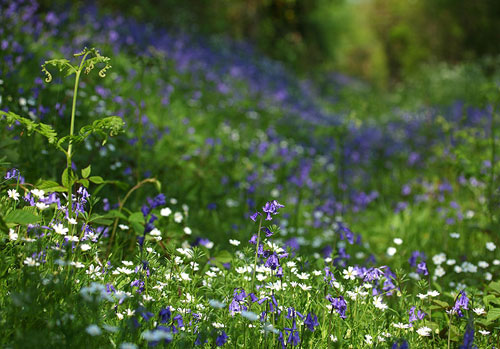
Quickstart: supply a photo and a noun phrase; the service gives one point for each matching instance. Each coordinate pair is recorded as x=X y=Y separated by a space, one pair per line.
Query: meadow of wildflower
x=161 y=189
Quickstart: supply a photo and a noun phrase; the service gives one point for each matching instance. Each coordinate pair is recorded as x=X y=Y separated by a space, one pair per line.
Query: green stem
x=69 y=152
x=256 y=254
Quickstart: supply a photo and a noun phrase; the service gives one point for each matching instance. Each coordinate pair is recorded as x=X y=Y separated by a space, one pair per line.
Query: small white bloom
x=377 y=302
x=451 y=262
x=422 y=296
x=184 y=276
x=93 y=330
x=177 y=217
x=424 y=331
x=368 y=339
x=439 y=259
x=165 y=212
x=305 y=287
x=13 y=194
x=71 y=221
x=155 y=232
x=72 y=238
x=398 y=241
x=187 y=231
x=490 y=246
x=483 y=264
x=38 y=193
x=60 y=229
x=391 y=251
x=30 y=262
x=41 y=205
x=123 y=227
x=234 y=242
x=484 y=332
x=85 y=247
x=433 y=293
x=455 y=235
x=349 y=273
x=13 y=235
x=333 y=338
x=479 y=311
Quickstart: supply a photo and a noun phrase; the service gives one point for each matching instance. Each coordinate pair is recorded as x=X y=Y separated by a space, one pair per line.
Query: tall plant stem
x=256 y=254
x=69 y=152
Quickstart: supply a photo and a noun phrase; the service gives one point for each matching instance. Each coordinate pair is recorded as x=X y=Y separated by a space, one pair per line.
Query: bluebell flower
x=272 y=262
x=461 y=302
x=221 y=339
x=468 y=337
x=165 y=314
x=422 y=268
x=339 y=304
x=311 y=321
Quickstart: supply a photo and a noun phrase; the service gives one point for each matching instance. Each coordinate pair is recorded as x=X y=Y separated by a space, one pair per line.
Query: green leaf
x=494 y=286
x=491 y=299
x=441 y=304
x=86 y=172
x=43 y=129
x=493 y=314
x=115 y=214
x=96 y=179
x=224 y=257
x=3 y=225
x=99 y=219
x=136 y=217
x=84 y=182
x=21 y=217
x=68 y=178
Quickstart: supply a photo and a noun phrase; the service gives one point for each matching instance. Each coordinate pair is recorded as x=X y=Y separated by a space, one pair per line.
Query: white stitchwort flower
x=93 y=330
x=391 y=251
x=490 y=246
x=13 y=194
x=479 y=311
x=165 y=212
x=424 y=331
x=177 y=217
x=234 y=242
x=13 y=235
x=60 y=229
x=350 y=273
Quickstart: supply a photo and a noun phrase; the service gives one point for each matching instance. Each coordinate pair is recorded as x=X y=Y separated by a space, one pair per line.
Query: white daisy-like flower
x=377 y=302
x=234 y=242
x=401 y=325
x=483 y=264
x=484 y=332
x=303 y=276
x=155 y=232
x=93 y=330
x=439 y=272
x=333 y=338
x=123 y=227
x=391 y=251
x=398 y=241
x=127 y=263
x=177 y=217
x=184 y=276
x=60 y=229
x=13 y=235
x=454 y=235
x=38 y=193
x=368 y=339
x=85 y=247
x=217 y=325
x=188 y=231
x=433 y=293
x=165 y=212
x=71 y=221
x=305 y=287
x=424 y=331
x=13 y=194
x=349 y=273
x=479 y=311
x=30 y=262
x=41 y=205
x=491 y=246
x=439 y=259
x=422 y=296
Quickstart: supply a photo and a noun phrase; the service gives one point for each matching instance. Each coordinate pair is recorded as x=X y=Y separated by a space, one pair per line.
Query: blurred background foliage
x=382 y=41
